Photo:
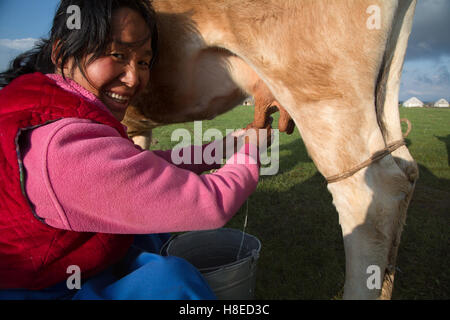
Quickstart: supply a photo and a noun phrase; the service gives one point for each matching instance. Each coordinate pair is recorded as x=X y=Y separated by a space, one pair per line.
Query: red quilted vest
x=34 y=255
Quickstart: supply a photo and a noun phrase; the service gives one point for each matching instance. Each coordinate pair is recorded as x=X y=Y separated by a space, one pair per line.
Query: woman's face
x=123 y=71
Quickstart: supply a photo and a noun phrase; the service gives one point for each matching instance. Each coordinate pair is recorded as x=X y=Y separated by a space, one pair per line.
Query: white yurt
x=413 y=103
x=441 y=104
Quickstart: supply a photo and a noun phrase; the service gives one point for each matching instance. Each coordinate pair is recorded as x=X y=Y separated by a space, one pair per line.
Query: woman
x=77 y=190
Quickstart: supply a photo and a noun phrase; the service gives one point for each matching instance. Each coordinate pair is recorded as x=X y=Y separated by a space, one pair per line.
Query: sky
x=426 y=72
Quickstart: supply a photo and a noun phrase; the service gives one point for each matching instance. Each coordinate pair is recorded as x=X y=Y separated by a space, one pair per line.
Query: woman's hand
x=259 y=137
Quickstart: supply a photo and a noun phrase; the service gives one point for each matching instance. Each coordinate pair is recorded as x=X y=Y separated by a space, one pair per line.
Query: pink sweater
x=83 y=176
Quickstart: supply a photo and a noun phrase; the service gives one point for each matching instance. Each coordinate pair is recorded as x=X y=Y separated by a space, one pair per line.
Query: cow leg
x=389 y=86
x=372 y=208
x=139 y=127
x=144 y=141
x=372 y=203
x=388 y=115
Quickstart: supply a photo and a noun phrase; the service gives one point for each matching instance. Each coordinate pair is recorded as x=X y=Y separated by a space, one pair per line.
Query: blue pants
x=142 y=274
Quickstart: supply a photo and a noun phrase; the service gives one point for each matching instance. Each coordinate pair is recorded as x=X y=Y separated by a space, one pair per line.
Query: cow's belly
x=218 y=84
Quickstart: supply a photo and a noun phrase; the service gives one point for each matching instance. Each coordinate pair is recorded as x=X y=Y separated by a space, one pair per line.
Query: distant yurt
x=441 y=104
x=413 y=103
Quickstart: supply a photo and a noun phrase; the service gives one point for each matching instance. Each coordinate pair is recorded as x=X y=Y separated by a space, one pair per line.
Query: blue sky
x=426 y=73
x=21 y=19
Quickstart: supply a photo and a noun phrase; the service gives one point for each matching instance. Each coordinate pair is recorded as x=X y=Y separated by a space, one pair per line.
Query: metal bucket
x=229 y=269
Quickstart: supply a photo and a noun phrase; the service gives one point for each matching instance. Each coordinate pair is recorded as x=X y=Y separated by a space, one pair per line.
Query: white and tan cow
x=335 y=66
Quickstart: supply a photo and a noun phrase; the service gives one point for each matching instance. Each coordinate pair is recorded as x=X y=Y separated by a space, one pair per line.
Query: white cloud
x=428 y=79
x=9 y=49
x=18 y=44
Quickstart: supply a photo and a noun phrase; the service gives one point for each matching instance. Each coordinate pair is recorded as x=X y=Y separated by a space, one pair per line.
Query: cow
x=334 y=66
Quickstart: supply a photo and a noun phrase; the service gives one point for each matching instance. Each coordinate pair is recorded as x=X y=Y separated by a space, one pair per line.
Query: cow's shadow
x=446 y=140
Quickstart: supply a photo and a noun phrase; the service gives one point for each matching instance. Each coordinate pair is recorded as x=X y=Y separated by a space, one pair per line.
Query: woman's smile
x=119 y=100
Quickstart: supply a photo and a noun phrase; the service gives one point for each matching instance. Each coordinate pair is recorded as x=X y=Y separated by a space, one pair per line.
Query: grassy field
x=292 y=214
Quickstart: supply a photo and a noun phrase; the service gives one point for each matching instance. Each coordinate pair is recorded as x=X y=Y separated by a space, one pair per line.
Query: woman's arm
x=189 y=152
x=83 y=176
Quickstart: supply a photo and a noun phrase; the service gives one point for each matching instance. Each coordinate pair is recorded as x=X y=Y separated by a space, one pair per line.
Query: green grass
x=292 y=214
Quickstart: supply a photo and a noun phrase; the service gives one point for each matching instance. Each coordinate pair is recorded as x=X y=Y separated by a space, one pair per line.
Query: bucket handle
x=255 y=255
x=163 y=251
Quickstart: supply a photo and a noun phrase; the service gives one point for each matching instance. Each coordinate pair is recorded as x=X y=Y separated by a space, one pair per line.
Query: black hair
x=92 y=37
